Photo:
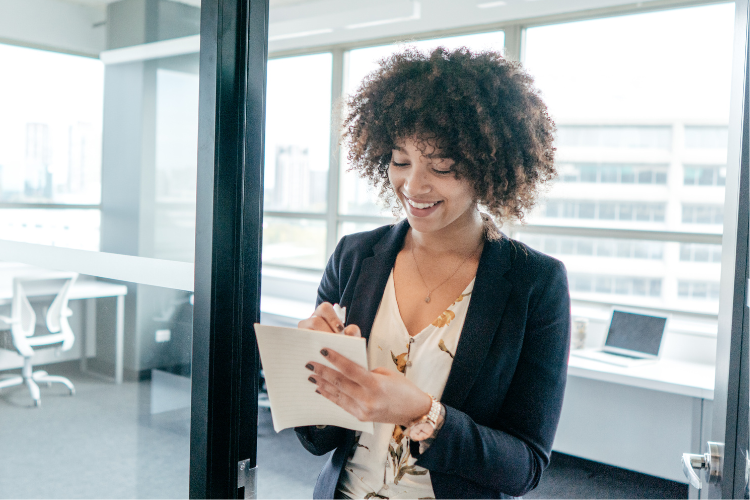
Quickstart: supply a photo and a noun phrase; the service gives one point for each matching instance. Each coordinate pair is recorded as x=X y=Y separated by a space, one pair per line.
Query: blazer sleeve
x=321 y=440
x=511 y=457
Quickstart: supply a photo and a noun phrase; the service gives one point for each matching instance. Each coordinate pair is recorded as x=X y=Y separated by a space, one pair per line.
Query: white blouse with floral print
x=381 y=465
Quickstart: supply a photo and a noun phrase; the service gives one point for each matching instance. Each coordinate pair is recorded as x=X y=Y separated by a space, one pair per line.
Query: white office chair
x=22 y=323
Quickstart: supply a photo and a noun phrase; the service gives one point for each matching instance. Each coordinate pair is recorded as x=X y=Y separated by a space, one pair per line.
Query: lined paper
x=294 y=402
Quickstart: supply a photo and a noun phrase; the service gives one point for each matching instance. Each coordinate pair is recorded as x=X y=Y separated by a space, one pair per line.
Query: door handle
x=712 y=462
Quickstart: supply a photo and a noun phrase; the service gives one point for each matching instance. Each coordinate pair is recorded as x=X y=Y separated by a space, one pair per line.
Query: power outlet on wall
x=163 y=335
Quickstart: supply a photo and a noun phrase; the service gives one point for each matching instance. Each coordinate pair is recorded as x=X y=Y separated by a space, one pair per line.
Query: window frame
x=514 y=49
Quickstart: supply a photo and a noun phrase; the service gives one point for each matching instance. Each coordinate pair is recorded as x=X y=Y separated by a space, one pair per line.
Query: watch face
x=421 y=431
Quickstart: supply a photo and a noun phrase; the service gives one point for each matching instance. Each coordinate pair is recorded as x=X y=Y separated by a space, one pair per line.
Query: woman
x=467 y=329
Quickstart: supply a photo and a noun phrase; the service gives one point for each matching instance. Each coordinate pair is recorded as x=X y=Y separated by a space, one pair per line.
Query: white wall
x=53 y=24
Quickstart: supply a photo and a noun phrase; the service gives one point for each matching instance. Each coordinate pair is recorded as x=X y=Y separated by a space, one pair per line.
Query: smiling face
x=427 y=187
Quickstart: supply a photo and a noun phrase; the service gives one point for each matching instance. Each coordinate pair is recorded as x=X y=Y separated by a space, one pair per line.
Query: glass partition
x=98 y=181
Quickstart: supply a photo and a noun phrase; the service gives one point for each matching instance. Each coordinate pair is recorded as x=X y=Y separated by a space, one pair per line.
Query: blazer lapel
x=488 y=300
x=373 y=276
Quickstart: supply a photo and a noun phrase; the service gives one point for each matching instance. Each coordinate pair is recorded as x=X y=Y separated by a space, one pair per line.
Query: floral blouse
x=380 y=465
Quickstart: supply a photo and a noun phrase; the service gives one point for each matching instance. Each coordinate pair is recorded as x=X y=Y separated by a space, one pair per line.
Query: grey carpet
x=104 y=443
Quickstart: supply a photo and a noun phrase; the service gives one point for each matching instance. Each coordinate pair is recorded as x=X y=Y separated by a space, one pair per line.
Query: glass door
x=130 y=184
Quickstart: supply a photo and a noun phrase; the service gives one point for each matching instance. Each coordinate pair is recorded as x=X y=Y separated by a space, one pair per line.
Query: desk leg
x=119 y=338
x=89 y=333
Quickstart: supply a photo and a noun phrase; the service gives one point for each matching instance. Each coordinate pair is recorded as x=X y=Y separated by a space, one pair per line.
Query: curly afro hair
x=478 y=109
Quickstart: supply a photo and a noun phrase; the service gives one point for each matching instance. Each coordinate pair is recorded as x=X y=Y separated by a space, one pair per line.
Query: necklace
x=429 y=292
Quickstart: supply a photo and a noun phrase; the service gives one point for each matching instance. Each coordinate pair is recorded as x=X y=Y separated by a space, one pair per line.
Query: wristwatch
x=424 y=427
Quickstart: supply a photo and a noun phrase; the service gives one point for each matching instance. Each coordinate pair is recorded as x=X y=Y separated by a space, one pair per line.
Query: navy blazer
x=505 y=389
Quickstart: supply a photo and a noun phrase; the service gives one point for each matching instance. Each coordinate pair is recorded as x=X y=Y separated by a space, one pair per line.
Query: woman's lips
x=421 y=212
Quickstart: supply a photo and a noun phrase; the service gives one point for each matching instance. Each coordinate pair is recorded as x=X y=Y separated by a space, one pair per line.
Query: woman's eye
x=442 y=172
x=396 y=164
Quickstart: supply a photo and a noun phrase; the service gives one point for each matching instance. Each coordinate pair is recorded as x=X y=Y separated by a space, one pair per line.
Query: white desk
x=640 y=418
x=89 y=291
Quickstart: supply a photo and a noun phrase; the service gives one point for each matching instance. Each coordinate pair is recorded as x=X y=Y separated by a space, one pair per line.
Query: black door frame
x=229 y=215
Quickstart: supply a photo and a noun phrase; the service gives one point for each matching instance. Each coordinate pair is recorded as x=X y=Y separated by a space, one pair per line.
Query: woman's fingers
x=328 y=376
x=325 y=311
x=348 y=368
x=352 y=331
x=339 y=397
x=324 y=319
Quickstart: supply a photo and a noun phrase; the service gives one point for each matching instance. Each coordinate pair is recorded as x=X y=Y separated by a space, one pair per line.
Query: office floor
x=104 y=443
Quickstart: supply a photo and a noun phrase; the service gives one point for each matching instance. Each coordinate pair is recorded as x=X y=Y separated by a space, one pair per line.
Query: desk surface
x=80 y=290
x=667 y=375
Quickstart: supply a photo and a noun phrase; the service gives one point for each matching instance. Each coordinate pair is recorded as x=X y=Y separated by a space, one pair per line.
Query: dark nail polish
x=340 y=327
x=317 y=391
x=324 y=352
x=312 y=380
x=310 y=367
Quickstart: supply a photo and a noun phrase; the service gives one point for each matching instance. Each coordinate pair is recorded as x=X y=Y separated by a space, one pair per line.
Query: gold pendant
x=427 y=299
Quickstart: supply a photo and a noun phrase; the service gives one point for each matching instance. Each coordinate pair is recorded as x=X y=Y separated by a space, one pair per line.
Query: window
x=615 y=137
x=698 y=290
x=604 y=210
x=702 y=214
x=706 y=137
x=636 y=150
x=613 y=173
x=599 y=247
x=50 y=147
x=614 y=285
x=705 y=175
x=298 y=133
x=696 y=252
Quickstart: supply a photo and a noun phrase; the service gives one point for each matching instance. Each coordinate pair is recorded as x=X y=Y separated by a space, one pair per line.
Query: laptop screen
x=636 y=332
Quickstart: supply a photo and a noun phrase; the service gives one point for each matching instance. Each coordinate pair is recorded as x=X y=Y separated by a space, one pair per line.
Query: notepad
x=294 y=402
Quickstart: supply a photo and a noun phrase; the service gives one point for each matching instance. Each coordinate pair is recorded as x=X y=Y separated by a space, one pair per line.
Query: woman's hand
x=380 y=395
x=324 y=319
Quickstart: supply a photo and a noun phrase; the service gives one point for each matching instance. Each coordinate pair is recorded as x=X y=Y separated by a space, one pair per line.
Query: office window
x=705 y=175
x=696 y=252
x=50 y=147
x=298 y=131
x=615 y=137
x=293 y=242
x=706 y=137
x=599 y=247
x=297 y=156
x=604 y=210
x=698 y=290
x=68 y=228
x=702 y=214
x=613 y=173
x=614 y=285
x=622 y=91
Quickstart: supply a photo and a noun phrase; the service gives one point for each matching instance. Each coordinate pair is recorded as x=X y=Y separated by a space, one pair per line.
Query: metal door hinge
x=246 y=478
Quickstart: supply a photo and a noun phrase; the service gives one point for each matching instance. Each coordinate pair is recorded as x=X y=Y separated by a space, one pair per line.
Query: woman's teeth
x=421 y=205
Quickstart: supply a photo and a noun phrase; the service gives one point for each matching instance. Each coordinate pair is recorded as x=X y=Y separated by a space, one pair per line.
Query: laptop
x=633 y=339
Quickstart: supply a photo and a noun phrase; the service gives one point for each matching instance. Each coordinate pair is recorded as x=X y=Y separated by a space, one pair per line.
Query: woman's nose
x=417 y=182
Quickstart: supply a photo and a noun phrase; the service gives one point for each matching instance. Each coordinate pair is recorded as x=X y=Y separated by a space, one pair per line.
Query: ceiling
x=80 y=25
